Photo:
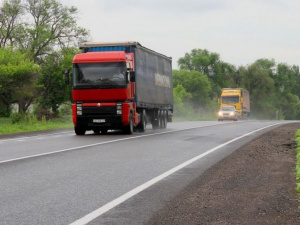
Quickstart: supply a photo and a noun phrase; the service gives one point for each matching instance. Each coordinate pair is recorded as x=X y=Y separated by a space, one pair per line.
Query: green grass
x=7 y=127
x=298 y=163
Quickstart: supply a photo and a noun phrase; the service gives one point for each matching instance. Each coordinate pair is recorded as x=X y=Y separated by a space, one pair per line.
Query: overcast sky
x=241 y=31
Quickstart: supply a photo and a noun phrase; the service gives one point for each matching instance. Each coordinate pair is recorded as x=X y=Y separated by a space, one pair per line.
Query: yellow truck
x=237 y=97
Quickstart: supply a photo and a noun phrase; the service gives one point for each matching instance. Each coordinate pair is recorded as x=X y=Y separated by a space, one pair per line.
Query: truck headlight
x=220 y=113
x=79 y=109
x=119 y=109
x=231 y=113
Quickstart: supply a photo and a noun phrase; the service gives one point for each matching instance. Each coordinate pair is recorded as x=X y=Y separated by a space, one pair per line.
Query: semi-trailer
x=120 y=85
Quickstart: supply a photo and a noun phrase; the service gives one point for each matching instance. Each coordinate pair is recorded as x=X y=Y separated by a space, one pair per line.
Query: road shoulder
x=254 y=185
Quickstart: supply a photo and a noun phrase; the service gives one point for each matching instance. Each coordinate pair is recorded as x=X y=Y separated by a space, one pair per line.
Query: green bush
x=31 y=119
x=65 y=109
x=16 y=118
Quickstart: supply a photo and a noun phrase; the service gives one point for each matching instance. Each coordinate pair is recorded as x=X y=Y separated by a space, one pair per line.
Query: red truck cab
x=103 y=92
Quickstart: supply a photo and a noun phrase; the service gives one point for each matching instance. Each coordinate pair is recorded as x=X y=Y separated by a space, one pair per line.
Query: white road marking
x=100 y=143
x=100 y=211
x=35 y=136
x=40 y=138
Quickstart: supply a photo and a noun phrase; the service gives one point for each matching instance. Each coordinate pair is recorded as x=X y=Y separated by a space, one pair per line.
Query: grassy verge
x=7 y=127
x=298 y=162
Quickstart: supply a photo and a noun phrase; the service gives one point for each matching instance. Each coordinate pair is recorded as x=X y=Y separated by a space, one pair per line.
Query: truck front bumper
x=98 y=122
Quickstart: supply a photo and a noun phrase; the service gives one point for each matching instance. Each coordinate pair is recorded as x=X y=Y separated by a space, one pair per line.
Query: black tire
x=142 y=125
x=79 y=130
x=164 y=119
x=96 y=131
x=160 y=119
x=155 y=122
x=129 y=128
x=103 y=131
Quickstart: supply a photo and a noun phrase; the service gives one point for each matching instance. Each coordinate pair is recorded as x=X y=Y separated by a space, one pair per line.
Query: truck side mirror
x=242 y=100
x=67 y=76
x=132 y=76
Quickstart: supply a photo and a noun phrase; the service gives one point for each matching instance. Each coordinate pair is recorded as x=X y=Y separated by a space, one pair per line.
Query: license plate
x=98 y=120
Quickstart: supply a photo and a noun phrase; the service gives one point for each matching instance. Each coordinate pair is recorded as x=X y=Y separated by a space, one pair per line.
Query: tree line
x=37 y=39
x=37 y=43
x=274 y=88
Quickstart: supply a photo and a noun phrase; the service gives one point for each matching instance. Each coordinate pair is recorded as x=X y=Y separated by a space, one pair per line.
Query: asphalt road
x=61 y=178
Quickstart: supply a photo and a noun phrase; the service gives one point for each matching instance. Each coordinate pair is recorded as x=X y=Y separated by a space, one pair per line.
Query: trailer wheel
x=79 y=130
x=129 y=128
x=154 y=124
x=164 y=119
x=160 y=119
x=142 y=125
x=155 y=120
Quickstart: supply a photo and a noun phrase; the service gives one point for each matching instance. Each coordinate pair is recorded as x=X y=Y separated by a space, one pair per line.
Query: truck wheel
x=160 y=119
x=164 y=119
x=103 y=131
x=96 y=131
x=143 y=122
x=129 y=128
x=155 y=121
x=79 y=130
x=155 y=124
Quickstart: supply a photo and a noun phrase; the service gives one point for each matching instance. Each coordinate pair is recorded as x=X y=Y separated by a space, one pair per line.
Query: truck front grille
x=105 y=110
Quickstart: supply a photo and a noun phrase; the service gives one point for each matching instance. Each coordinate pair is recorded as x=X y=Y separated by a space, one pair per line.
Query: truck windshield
x=230 y=99
x=99 y=75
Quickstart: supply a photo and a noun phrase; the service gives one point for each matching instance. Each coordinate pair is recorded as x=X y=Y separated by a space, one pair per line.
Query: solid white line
x=98 y=212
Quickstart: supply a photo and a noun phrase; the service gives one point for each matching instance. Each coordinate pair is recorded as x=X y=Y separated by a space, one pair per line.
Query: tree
x=196 y=84
x=10 y=16
x=261 y=88
x=221 y=74
x=296 y=72
x=199 y=60
x=288 y=105
x=286 y=83
x=181 y=98
x=49 y=27
x=18 y=75
x=54 y=25
x=55 y=91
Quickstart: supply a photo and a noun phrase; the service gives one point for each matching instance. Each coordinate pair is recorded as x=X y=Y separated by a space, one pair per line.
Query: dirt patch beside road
x=254 y=185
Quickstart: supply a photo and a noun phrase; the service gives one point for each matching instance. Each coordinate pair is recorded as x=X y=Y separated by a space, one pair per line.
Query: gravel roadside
x=254 y=185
